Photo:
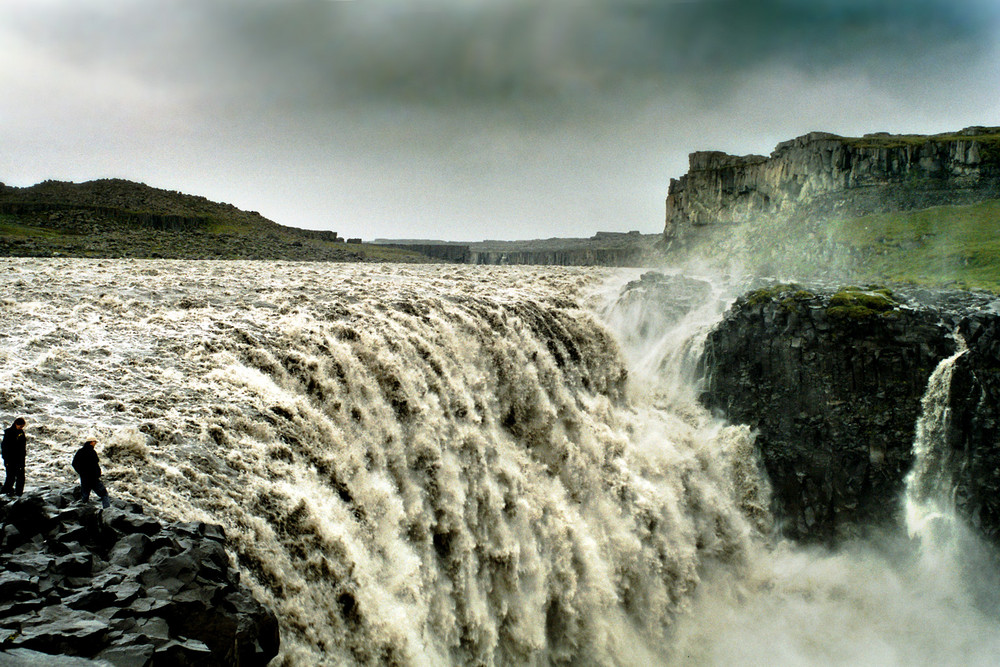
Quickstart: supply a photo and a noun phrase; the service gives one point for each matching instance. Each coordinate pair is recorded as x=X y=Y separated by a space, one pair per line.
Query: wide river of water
x=450 y=465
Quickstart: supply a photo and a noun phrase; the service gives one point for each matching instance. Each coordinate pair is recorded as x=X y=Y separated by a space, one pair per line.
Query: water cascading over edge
x=929 y=502
x=415 y=466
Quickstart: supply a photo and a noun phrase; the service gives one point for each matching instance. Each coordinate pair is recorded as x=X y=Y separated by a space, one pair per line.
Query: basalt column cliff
x=821 y=175
x=832 y=382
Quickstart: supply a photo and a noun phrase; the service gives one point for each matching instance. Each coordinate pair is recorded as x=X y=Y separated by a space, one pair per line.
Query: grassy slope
x=956 y=246
x=11 y=227
x=224 y=231
x=946 y=244
x=990 y=137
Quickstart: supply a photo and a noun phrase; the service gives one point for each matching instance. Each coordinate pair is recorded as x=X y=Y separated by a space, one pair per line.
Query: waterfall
x=414 y=465
x=929 y=500
x=459 y=465
x=887 y=601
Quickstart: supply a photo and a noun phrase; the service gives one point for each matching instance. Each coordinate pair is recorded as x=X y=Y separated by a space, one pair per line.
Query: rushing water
x=453 y=465
x=930 y=507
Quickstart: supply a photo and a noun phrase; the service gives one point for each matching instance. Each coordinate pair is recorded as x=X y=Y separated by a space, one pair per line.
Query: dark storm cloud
x=495 y=52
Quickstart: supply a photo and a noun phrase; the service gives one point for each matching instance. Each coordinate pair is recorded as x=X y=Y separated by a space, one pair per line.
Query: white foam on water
x=437 y=465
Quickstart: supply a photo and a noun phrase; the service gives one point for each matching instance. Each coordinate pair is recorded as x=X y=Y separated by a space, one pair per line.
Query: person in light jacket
x=86 y=464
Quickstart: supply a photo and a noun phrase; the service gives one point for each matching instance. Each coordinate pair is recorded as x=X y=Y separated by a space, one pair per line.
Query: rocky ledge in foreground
x=122 y=588
x=832 y=380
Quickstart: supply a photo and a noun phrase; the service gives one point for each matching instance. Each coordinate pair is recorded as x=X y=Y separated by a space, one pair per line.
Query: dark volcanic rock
x=671 y=297
x=121 y=587
x=975 y=432
x=832 y=381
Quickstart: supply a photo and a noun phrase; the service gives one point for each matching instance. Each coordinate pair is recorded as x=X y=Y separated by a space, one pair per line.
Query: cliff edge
x=120 y=588
x=821 y=175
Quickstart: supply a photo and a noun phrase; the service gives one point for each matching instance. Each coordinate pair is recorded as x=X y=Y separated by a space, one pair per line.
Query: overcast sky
x=467 y=119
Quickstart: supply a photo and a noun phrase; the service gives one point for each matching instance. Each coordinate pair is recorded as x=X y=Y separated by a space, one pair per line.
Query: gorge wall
x=819 y=175
x=626 y=249
x=832 y=381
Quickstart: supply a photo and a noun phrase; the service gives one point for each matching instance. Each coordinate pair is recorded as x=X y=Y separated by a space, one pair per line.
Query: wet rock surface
x=975 y=424
x=832 y=379
x=670 y=297
x=117 y=586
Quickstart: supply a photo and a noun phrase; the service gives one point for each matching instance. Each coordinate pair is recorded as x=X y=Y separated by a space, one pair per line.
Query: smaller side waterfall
x=927 y=600
x=930 y=487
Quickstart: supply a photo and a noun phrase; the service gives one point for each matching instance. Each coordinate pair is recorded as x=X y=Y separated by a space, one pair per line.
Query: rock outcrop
x=975 y=424
x=820 y=175
x=833 y=379
x=120 y=587
x=627 y=256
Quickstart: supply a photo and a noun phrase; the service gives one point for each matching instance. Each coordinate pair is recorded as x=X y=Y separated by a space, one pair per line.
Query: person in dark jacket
x=14 y=449
x=85 y=463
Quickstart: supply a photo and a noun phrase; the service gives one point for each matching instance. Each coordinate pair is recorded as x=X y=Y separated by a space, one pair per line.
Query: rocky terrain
x=122 y=588
x=832 y=379
x=975 y=434
x=821 y=175
x=113 y=218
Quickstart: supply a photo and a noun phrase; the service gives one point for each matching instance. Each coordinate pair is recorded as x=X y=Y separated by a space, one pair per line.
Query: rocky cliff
x=832 y=380
x=820 y=175
x=603 y=249
x=625 y=256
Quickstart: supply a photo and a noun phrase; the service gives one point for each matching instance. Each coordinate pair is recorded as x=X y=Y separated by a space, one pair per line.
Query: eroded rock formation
x=819 y=175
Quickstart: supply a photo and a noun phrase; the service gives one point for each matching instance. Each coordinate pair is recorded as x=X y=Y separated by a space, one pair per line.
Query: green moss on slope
x=957 y=245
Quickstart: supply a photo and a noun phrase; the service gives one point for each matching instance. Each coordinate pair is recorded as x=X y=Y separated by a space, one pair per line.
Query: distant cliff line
x=821 y=175
x=624 y=249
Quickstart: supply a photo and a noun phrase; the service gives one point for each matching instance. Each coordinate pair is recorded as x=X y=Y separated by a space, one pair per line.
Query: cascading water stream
x=929 y=600
x=455 y=465
x=929 y=502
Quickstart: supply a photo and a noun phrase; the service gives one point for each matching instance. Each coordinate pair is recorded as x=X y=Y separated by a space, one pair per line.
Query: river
x=451 y=465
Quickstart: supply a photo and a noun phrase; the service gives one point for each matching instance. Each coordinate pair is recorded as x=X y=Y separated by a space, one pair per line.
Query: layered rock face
x=631 y=256
x=820 y=175
x=122 y=588
x=833 y=380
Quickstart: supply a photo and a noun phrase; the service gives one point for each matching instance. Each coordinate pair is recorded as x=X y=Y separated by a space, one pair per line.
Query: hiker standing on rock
x=14 y=449
x=85 y=463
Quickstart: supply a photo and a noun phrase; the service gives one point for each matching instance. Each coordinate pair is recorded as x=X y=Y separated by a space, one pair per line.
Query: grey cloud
x=527 y=52
x=502 y=52
x=444 y=117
